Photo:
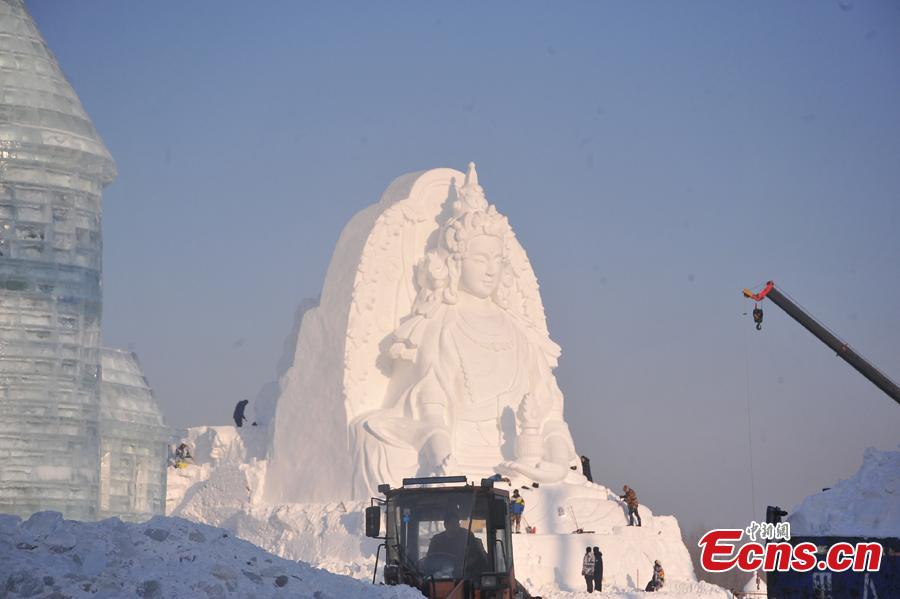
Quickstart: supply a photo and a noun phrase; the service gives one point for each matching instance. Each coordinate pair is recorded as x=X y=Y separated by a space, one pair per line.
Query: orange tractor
x=447 y=538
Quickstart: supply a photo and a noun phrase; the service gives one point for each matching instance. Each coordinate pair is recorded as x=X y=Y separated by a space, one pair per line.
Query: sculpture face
x=481 y=266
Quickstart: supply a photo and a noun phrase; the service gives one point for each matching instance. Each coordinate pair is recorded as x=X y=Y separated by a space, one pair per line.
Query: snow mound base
x=676 y=590
x=165 y=557
x=547 y=564
x=221 y=488
x=865 y=505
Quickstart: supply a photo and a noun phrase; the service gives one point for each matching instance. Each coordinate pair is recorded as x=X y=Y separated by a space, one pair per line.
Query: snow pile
x=548 y=563
x=164 y=557
x=329 y=536
x=554 y=554
x=865 y=505
x=225 y=457
x=222 y=488
x=675 y=590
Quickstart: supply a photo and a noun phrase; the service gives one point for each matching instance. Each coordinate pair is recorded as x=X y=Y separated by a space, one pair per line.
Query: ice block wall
x=133 y=441
x=53 y=167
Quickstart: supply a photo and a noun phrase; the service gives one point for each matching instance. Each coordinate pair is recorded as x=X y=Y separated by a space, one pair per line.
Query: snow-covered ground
x=167 y=557
x=548 y=564
x=865 y=505
x=676 y=590
x=48 y=556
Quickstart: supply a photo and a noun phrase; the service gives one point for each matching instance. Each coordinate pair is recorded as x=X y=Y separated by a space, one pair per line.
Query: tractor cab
x=447 y=538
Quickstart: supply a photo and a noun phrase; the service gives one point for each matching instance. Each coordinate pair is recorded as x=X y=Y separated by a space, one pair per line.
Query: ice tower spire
x=53 y=167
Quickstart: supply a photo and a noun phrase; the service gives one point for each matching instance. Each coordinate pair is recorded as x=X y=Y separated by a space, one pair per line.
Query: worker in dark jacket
x=598 y=570
x=631 y=500
x=586 y=468
x=239 y=417
x=460 y=544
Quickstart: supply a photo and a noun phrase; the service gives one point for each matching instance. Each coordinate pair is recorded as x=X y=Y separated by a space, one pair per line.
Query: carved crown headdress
x=472 y=215
x=471 y=196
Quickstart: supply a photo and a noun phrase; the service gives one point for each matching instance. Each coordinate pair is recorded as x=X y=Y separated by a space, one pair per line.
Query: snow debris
x=865 y=505
x=165 y=557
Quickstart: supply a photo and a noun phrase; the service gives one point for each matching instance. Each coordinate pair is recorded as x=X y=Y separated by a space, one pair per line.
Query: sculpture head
x=471 y=256
x=481 y=266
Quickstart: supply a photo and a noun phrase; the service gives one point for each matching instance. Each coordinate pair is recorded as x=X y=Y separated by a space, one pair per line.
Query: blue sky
x=654 y=159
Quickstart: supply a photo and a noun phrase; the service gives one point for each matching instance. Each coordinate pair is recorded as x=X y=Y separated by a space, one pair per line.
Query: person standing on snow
x=516 y=508
x=238 y=415
x=631 y=500
x=587 y=569
x=598 y=570
x=586 y=468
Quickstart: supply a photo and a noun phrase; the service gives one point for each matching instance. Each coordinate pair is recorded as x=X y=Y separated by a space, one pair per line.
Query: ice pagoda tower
x=133 y=441
x=53 y=168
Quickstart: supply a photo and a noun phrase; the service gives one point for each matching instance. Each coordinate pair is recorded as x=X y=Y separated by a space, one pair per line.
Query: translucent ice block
x=133 y=441
x=53 y=167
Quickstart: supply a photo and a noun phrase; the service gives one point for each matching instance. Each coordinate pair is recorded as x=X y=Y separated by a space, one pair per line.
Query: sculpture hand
x=541 y=471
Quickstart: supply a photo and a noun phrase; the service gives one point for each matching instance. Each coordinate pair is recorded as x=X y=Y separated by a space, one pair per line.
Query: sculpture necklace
x=502 y=341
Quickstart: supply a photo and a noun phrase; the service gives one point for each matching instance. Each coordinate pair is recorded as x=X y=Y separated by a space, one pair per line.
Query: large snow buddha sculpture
x=472 y=389
x=427 y=354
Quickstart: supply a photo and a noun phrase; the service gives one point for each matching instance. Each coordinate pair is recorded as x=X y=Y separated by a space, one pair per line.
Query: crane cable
x=749 y=428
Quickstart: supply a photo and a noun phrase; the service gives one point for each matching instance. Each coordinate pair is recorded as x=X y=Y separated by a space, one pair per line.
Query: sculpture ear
x=454 y=266
x=501 y=295
x=451 y=293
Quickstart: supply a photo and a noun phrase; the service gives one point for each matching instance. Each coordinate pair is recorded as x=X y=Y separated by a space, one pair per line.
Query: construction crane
x=844 y=351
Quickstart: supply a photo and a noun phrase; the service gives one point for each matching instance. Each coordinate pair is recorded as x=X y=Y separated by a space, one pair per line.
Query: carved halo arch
x=384 y=286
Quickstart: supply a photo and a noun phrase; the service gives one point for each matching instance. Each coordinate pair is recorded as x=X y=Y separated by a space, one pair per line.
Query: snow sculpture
x=463 y=361
x=429 y=335
x=427 y=353
x=53 y=167
x=133 y=441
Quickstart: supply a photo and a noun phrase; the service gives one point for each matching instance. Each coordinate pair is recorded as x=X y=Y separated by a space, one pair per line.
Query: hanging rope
x=749 y=428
